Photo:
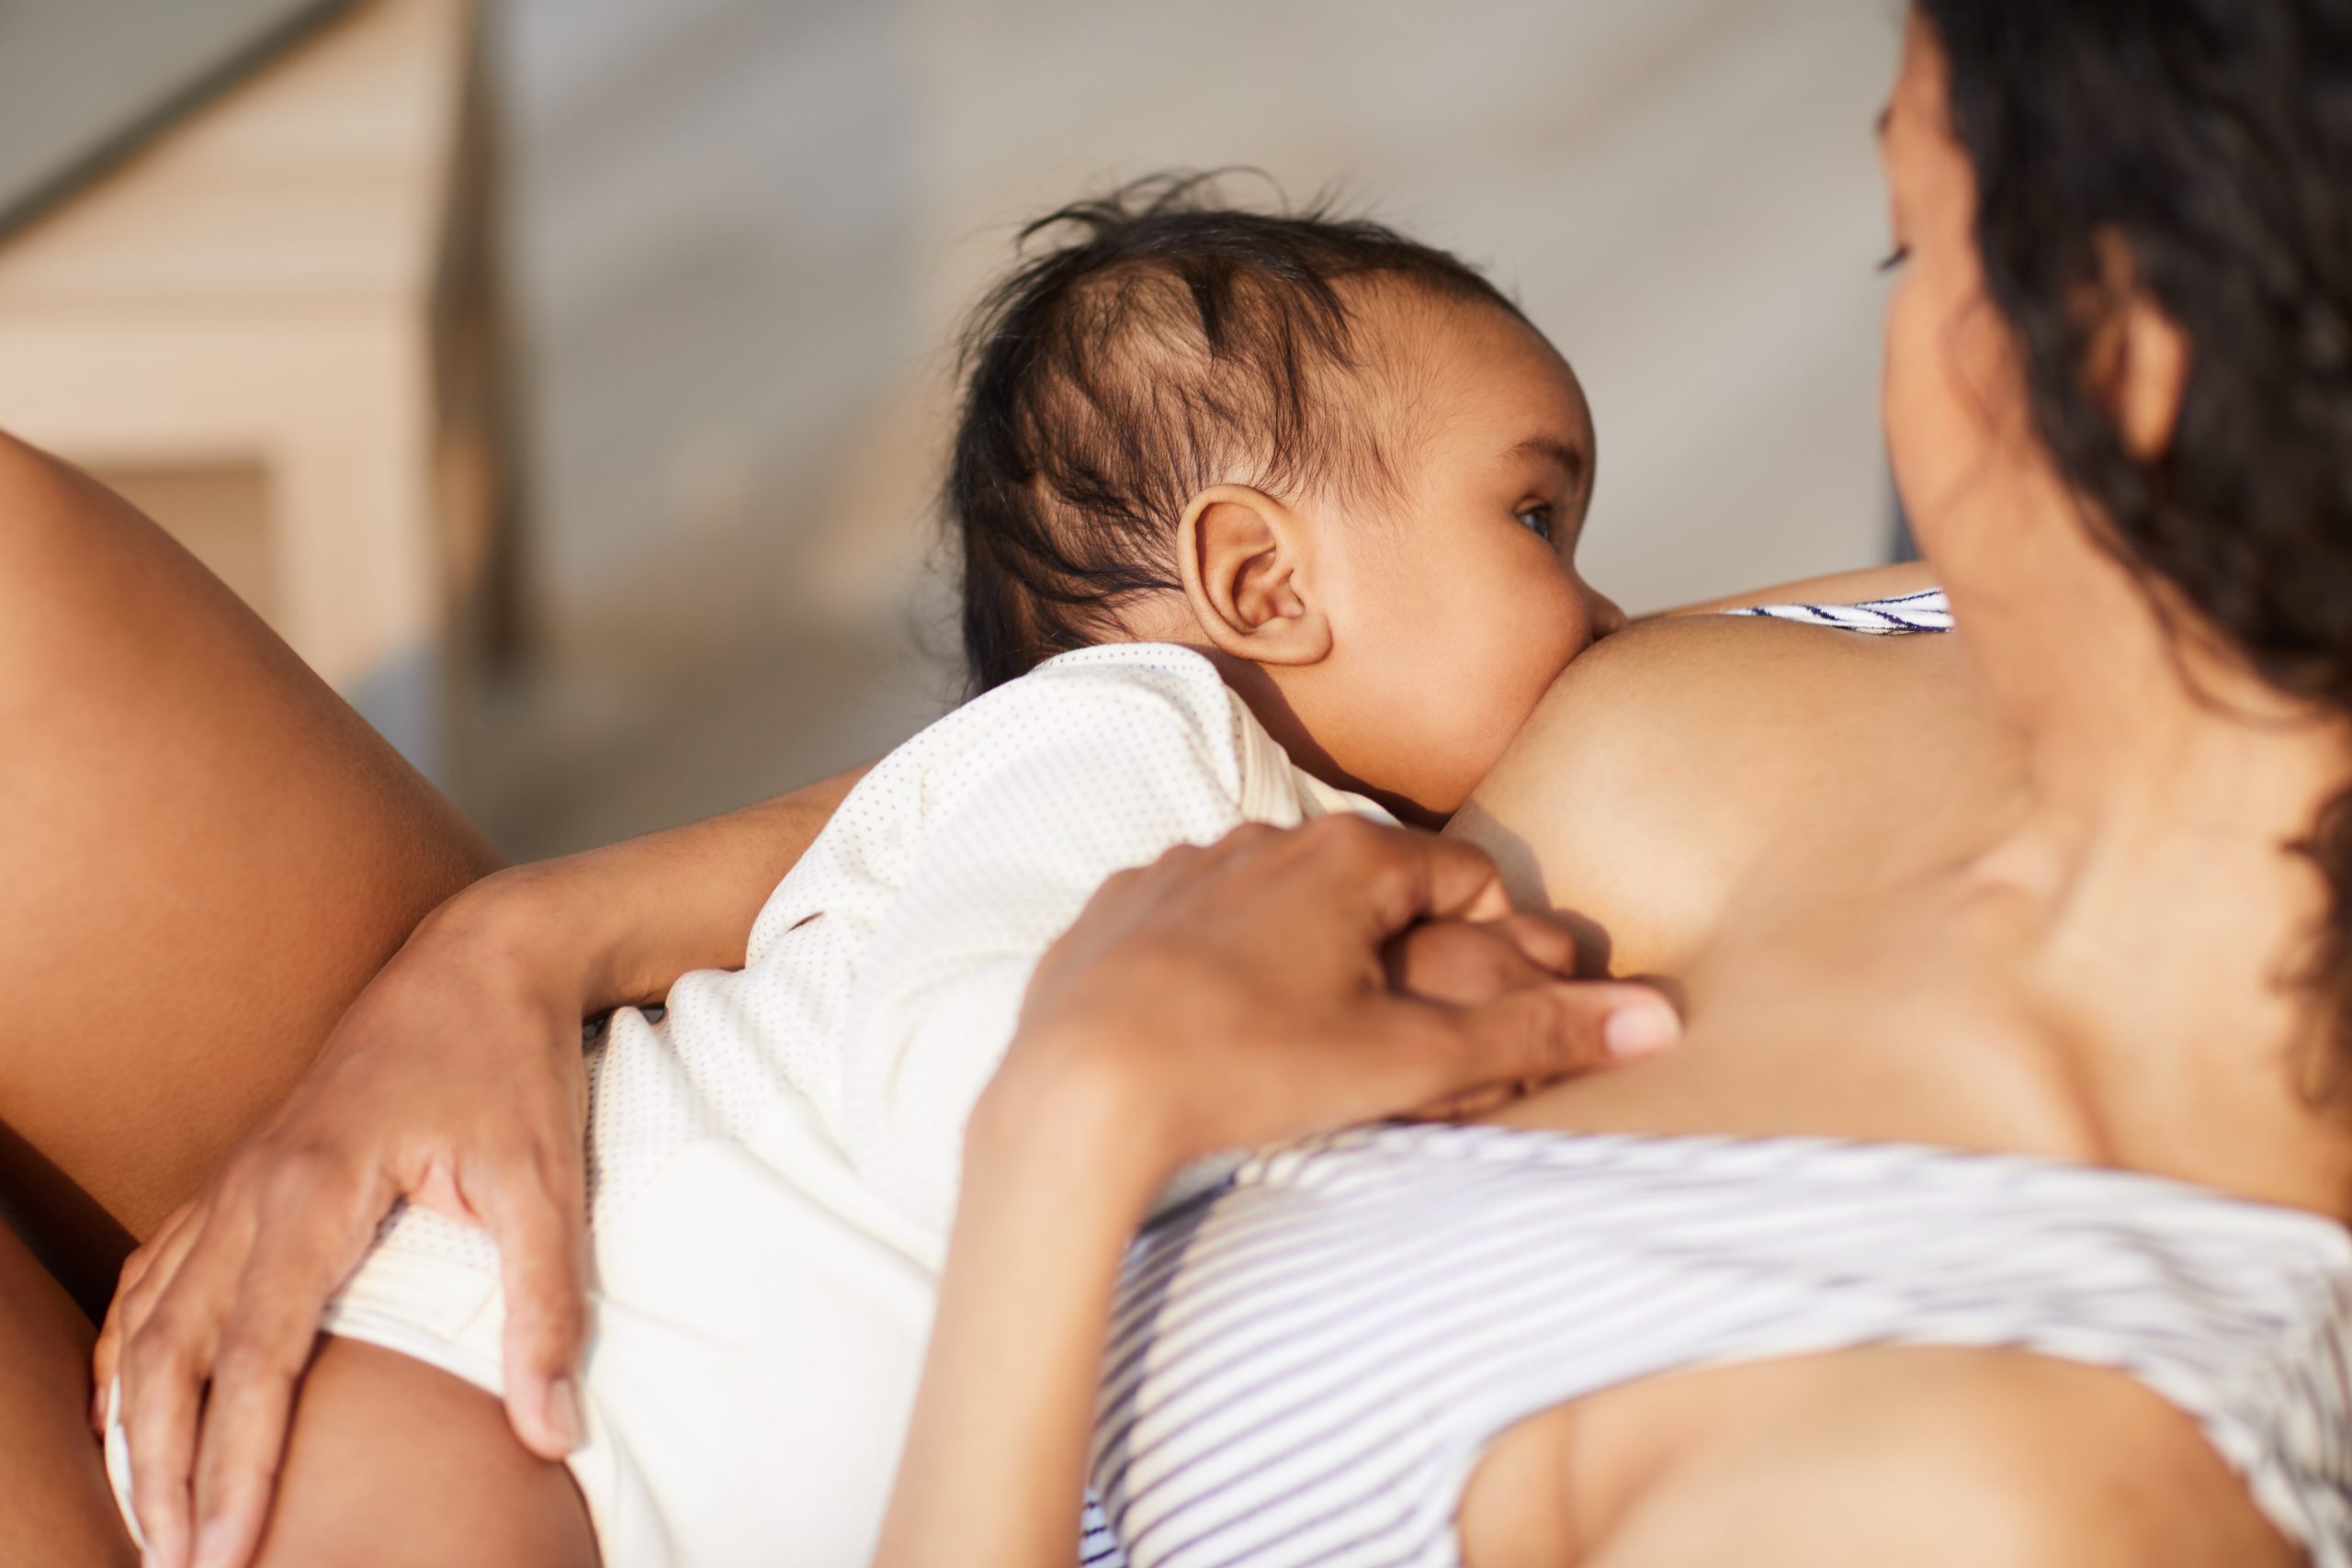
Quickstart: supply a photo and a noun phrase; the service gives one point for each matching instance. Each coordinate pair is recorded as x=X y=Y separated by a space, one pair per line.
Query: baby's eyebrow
x=1568 y=457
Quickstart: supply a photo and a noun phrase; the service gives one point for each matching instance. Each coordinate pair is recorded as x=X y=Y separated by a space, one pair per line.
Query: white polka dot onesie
x=772 y=1164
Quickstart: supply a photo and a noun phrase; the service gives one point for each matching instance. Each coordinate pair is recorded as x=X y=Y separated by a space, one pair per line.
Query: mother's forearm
x=618 y=925
x=1057 y=1177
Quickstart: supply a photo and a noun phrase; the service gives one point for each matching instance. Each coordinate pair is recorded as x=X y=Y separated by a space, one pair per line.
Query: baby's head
x=1339 y=463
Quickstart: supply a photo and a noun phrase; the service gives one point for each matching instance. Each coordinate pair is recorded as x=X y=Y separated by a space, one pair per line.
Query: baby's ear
x=1249 y=568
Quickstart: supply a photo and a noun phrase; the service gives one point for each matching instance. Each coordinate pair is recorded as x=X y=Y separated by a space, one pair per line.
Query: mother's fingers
x=1545 y=943
x=214 y=1337
x=535 y=1205
x=145 y=1274
x=1551 y=1030
x=264 y=1345
x=1234 y=995
x=1396 y=877
x=1465 y=962
x=164 y=1362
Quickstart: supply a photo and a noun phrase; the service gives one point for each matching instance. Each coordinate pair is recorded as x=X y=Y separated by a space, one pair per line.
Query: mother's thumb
x=1550 y=1031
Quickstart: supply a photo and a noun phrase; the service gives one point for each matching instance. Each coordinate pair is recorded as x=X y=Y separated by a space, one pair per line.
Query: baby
x=1338 y=463
x=1263 y=517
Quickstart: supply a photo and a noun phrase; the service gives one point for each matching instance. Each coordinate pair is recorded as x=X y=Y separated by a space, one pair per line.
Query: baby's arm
x=621 y=923
x=1078 y=772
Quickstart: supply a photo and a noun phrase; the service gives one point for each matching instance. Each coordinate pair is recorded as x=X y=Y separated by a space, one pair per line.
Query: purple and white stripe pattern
x=1303 y=1367
x=1926 y=610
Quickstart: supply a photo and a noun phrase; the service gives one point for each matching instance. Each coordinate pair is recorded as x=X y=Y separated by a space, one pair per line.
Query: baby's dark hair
x=1166 y=344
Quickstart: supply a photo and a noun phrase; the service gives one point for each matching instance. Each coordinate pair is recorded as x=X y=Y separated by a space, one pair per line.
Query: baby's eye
x=1537 y=520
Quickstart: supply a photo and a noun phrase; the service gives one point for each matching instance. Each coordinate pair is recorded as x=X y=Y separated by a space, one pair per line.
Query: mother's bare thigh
x=55 y=1507
x=393 y=1463
x=204 y=856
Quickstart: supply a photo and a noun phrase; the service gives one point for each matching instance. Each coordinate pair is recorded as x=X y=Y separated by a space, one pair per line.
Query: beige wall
x=234 y=324
x=741 y=235
x=1680 y=191
x=745 y=230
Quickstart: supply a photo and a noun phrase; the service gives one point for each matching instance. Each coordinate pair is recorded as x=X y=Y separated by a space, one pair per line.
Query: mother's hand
x=1275 y=984
x=456 y=1080
x=1284 y=983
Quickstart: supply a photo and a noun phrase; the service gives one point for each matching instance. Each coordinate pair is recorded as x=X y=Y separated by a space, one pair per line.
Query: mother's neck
x=2134 y=716
x=2165 y=789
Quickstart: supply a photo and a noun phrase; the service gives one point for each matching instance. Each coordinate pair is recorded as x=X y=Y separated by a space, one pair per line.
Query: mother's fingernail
x=563 y=1408
x=1641 y=1029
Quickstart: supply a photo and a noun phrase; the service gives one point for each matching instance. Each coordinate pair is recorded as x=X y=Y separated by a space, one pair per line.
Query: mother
x=2119 y=394
x=2059 y=908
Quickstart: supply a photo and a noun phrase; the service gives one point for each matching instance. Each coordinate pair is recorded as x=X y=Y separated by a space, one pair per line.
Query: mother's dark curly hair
x=2213 y=138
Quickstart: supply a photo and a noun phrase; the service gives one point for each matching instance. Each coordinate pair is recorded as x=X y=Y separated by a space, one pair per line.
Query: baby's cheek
x=1516 y=661
x=1557 y=627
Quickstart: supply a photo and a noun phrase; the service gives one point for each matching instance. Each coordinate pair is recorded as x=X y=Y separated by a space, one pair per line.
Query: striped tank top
x=1926 y=610
x=1304 y=1366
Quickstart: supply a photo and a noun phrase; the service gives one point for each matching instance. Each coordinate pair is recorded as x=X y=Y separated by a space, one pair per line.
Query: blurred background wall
x=731 y=238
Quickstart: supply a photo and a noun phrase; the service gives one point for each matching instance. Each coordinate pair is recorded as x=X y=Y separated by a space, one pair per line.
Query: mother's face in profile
x=1958 y=429
x=1984 y=495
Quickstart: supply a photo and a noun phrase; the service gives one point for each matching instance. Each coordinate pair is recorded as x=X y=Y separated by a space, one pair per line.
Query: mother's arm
x=1835 y=588
x=1234 y=995
x=1223 y=997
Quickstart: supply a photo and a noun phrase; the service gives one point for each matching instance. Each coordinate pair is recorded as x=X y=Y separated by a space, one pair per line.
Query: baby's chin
x=1425 y=773
x=1497 y=740
x=1431 y=796
x=1412 y=797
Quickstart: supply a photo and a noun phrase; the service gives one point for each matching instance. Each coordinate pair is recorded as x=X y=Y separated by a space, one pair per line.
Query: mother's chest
x=1849 y=1014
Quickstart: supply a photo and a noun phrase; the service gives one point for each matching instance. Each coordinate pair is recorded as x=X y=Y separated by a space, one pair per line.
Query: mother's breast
x=1671 y=762
x=1883 y=1455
